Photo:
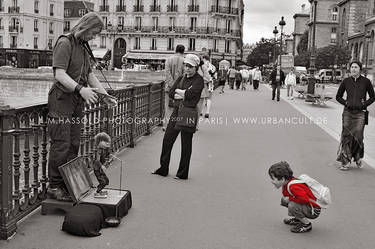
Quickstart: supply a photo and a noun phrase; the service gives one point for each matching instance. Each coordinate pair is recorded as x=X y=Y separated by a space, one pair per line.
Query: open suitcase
x=80 y=186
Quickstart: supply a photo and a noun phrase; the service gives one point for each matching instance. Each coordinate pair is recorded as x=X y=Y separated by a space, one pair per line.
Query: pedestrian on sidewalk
x=231 y=77
x=174 y=68
x=290 y=82
x=299 y=199
x=74 y=84
x=257 y=78
x=245 y=78
x=222 y=77
x=277 y=79
x=208 y=72
x=354 y=116
x=192 y=86
x=238 y=78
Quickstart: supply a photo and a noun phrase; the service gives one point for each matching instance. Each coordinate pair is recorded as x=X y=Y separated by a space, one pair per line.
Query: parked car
x=326 y=75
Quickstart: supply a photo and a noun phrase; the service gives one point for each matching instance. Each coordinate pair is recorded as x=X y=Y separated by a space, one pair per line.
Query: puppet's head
x=103 y=145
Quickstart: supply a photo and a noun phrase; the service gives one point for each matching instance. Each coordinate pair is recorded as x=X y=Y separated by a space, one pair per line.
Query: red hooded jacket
x=301 y=193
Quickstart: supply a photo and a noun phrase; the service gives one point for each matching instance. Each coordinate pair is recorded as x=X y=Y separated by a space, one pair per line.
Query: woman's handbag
x=187 y=117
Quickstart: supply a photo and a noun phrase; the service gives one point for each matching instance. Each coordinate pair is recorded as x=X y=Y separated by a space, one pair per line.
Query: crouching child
x=297 y=197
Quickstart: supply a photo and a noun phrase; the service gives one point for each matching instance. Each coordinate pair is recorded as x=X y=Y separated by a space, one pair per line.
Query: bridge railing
x=24 y=144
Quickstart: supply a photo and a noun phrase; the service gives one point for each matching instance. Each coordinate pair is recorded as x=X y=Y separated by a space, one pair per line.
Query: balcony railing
x=154 y=8
x=193 y=8
x=13 y=29
x=224 y=10
x=138 y=8
x=172 y=8
x=13 y=9
x=24 y=144
x=104 y=8
x=120 y=8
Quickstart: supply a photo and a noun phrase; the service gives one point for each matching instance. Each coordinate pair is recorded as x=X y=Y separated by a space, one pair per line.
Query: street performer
x=74 y=84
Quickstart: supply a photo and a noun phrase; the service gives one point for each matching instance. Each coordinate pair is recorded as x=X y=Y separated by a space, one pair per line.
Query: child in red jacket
x=297 y=199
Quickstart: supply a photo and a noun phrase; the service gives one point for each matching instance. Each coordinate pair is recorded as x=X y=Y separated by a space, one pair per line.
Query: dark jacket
x=193 y=86
x=273 y=78
x=356 y=91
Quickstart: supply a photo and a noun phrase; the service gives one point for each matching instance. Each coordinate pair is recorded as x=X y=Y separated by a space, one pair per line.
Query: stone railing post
x=7 y=226
x=132 y=117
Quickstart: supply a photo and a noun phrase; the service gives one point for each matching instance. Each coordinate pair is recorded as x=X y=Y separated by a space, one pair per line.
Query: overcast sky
x=261 y=16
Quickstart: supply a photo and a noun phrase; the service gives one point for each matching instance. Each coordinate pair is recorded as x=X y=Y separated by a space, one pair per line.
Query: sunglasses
x=188 y=65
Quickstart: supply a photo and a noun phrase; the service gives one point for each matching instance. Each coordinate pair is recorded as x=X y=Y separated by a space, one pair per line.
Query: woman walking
x=188 y=89
x=354 y=116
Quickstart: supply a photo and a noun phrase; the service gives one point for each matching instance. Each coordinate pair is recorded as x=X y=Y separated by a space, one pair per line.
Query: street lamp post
x=368 y=39
x=312 y=68
x=275 y=31
x=282 y=24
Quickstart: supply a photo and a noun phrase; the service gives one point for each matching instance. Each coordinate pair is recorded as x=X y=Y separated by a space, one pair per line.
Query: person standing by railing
x=174 y=68
x=74 y=84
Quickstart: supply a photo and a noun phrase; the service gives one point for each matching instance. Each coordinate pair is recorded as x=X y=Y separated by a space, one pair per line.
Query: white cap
x=192 y=59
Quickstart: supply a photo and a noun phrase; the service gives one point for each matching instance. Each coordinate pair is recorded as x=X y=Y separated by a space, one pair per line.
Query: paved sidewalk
x=329 y=118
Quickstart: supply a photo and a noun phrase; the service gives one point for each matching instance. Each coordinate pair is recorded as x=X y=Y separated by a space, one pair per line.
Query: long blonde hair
x=89 y=21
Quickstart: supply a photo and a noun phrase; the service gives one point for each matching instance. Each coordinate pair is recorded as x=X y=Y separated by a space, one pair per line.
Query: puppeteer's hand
x=177 y=96
x=110 y=102
x=89 y=95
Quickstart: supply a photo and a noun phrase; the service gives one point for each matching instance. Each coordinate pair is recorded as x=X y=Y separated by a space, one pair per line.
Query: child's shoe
x=301 y=228
x=291 y=221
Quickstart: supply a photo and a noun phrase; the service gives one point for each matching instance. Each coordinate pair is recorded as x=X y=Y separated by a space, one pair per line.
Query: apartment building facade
x=28 y=30
x=301 y=20
x=149 y=30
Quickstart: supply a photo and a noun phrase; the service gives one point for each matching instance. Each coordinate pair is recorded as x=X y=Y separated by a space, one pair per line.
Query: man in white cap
x=188 y=89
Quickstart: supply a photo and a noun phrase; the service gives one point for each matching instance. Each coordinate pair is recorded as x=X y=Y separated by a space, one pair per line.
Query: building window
x=193 y=24
x=191 y=44
x=67 y=12
x=153 y=44
x=137 y=43
x=120 y=21
x=1 y=42
x=103 y=42
x=82 y=12
x=215 y=46
x=1 y=24
x=138 y=21
x=172 y=23
x=36 y=25
x=50 y=41
x=228 y=25
x=227 y=47
x=51 y=27
x=51 y=9
x=334 y=13
x=66 y=26
x=36 y=6
x=105 y=21
x=13 y=41
x=36 y=42
x=170 y=44
x=1 y=6
x=155 y=22
x=216 y=25
x=333 y=35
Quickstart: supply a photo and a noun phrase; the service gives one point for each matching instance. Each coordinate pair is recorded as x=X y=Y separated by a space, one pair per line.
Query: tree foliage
x=302 y=59
x=260 y=54
x=332 y=55
x=303 y=43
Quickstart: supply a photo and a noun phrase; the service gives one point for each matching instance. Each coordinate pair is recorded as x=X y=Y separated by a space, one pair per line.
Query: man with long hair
x=74 y=84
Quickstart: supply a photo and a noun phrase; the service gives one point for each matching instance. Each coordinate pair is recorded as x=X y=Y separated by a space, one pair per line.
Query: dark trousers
x=276 y=89
x=170 y=137
x=255 y=84
x=64 y=131
x=238 y=84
